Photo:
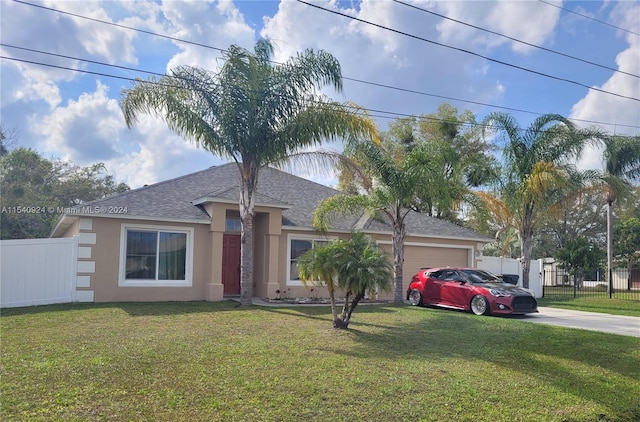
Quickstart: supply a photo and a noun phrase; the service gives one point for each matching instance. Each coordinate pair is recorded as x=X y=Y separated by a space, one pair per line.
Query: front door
x=231 y=264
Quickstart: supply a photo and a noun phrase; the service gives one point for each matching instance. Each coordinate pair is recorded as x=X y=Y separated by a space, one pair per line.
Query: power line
x=370 y=111
x=224 y=50
x=476 y=102
x=346 y=78
x=335 y=12
x=80 y=59
x=516 y=40
x=589 y=17
x=138 y=80
x=119 y=25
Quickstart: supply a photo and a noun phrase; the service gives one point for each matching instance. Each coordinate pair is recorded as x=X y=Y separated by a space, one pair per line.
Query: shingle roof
x=180 y=199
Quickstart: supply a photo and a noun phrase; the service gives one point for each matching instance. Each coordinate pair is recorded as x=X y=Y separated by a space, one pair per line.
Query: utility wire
x=138 y=80
x=118 y=25
x=344 y=77
x=516 y=40
x=389 y=114
x=79 y=59
x=589 y=17
x=335 y=12
x=370 y=112
x=224 y=50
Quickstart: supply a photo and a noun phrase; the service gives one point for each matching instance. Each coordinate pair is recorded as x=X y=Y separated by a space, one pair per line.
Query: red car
x=470 y=289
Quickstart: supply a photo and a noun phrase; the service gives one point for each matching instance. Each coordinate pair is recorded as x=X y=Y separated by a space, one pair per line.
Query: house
x=179 y=240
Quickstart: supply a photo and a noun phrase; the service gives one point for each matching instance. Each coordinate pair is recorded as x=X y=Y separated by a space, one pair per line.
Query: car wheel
x=415 y=297
x=480 y=305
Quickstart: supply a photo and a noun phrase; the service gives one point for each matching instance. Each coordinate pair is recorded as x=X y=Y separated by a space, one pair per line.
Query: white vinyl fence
x=38 y=271
x=499 y=265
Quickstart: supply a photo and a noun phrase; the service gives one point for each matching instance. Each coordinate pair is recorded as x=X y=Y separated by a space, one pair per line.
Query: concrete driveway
x=615 y=324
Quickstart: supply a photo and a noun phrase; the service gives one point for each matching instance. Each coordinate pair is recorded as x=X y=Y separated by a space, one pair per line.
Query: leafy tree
x=538 y=175
x=630 y=206
x=627 y=248
x=35 y=189
x=461 y=131
x=580 y=256
x=579 y=216
x=463 y=157
x=621 y=168
x=424 y=165
x=356 y=266
x=253 y=112
x=507 y=244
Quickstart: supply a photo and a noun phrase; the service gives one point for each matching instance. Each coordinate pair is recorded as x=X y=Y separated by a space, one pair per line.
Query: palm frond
x=339 y=205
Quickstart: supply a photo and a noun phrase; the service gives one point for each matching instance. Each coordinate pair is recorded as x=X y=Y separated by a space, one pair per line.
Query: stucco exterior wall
x=106 y=255
x=100 y=239
x=419 y=252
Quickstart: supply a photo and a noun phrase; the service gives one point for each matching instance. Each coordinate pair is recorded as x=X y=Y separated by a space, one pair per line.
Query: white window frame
x=310 y=238
x=188 y=276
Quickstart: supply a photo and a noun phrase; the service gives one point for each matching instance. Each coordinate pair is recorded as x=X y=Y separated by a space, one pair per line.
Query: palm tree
x=319 y=265
x=538 y=174
x=362 y=266
x=398 y=186
x=355 y=266
x=254 y=112
x=621 y=168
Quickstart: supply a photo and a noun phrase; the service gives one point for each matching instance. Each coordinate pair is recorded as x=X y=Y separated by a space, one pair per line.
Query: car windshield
x=479 y=276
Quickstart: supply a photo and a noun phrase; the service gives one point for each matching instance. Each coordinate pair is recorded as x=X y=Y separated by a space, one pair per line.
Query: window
x=155 y=256
x=232 y=224
x=297 y=247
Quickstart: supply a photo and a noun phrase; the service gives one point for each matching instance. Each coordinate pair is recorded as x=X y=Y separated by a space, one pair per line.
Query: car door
x=439 y=283
x=432 y=287
x=454 y=290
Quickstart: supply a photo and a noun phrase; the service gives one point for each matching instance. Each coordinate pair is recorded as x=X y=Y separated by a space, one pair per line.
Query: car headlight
x=499 y=293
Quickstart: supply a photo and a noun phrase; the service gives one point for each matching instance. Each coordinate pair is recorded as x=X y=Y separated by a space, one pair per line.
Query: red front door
x=231 y=264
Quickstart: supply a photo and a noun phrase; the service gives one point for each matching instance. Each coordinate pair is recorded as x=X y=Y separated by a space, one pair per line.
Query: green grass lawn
x=218 y=362
x=594 y=304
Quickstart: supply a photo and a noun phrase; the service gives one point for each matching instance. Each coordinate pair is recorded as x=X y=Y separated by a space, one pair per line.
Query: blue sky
x=76 y=116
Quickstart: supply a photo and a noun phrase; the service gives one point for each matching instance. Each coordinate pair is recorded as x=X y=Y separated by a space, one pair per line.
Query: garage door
x=416 y=257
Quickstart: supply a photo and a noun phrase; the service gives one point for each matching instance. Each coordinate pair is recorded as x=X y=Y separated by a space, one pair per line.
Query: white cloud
x=503 y=17
x=224 y=25
x=99 y=39
x=92 y=129
x=374 y=54
x=24 y=84
x=86 y=130
x=601 y=107
x=159 y=155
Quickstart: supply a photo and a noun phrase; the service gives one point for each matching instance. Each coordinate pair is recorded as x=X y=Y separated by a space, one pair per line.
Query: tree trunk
x=526 y=244
x=246 y=261
x=398 y=259
x=357 y=298
x=345 y=308
x=338 y=322
x=249 y=180
x=332 y=300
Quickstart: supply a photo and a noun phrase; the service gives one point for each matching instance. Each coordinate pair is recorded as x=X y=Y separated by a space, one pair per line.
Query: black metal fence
x=623 y=284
